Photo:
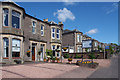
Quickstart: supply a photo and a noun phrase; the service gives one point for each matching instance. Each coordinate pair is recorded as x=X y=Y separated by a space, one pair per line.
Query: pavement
x=110 y=71
x=55 y=70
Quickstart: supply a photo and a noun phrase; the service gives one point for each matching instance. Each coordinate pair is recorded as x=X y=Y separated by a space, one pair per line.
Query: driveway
x=50 y=70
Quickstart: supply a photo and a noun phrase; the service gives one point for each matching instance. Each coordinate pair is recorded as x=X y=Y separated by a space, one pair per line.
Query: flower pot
x=69 y=62
x=45 y=60
x=53 y=61
x=58 y=61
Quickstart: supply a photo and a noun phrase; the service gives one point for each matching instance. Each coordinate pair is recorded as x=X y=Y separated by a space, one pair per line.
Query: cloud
x=64 y=14
x=114 y=8
x=68 y=2
x=92 y=31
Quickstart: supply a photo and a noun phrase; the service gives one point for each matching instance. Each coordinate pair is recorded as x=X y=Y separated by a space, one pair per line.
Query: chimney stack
x=60 y=23
x=45 y=20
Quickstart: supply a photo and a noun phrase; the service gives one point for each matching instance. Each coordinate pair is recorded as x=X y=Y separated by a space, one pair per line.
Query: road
x=107 y=72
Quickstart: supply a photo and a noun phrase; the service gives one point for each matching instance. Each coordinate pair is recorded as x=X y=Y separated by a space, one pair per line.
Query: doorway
x=33 y=52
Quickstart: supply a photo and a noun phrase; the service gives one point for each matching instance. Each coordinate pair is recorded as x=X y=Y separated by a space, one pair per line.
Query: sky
x=98 y=20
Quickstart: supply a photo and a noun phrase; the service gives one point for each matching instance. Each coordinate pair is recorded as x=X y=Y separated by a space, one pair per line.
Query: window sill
x=16 y=58
x=5 y=58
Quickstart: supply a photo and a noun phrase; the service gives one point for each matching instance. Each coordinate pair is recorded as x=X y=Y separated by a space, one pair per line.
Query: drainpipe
x=104 y=52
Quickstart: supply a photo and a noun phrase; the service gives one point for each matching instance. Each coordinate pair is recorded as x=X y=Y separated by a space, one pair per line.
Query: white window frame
x=78 y=38
x=81 y=38
x=4 y=16
x=34 y=26
x=42 y=30
x=15 y=46
x=5 y=46
x=58 y=33
x=79 y=48
x=53 y=32
x=95 y=44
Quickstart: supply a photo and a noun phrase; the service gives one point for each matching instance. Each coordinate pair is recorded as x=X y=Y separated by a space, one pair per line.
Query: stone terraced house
x=21 y=32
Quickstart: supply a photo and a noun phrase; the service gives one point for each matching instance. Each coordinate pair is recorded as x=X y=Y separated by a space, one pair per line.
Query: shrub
x=66 y=55
x=77 y=57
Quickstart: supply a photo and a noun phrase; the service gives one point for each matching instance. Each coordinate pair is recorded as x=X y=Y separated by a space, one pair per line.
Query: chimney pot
x=45 y=20
x=60 y=23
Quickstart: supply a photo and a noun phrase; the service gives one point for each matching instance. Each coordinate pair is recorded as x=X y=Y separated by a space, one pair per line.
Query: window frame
x=17 y=47
x=53 y=32
x=58 y=33
x=79 y=48
x=78 y=38
x=34 y=26
x=42 y=30
x=3 y=13
x=17 y=17
x=5 y=47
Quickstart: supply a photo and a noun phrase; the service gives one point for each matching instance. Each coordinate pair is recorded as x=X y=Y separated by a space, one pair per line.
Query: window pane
x=57 y=35
x=6 y=47
x=41 y=32
x=5 y=17
x=41 y=27
x=15 y=22
x=57 y=30
x=33 y=29
x=53 y=29
x=15 y=45
x=34 y=23
x=53 y=35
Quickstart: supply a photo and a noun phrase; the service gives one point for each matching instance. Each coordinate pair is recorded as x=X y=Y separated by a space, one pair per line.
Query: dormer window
x=5 y=17
x=15 y=19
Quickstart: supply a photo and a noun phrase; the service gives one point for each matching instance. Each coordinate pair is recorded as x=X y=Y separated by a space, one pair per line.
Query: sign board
x=86 y=43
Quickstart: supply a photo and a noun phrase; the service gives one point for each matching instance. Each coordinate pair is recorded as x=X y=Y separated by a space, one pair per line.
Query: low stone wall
x=86 y=55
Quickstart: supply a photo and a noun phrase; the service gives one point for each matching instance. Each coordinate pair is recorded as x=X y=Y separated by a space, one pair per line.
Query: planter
x=53 y=61
x=69 y=62
x=28 y=54
x=17 y=61
x=45 y=60
x=93 y=65
x=90 y=65
x=58 y=61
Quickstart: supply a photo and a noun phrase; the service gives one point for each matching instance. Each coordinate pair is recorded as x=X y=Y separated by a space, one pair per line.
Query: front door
x=33 y=52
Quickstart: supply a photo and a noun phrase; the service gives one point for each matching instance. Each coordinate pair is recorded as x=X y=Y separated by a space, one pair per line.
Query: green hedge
x=66 y=55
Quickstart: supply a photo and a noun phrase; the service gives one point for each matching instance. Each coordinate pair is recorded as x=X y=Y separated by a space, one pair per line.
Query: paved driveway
x=49 y=70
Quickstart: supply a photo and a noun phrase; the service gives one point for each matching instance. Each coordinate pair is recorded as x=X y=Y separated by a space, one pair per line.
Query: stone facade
x=40 y=40
x=70 y=40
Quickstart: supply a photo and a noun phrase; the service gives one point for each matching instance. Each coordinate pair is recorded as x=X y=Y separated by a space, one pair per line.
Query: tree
x=92 y=56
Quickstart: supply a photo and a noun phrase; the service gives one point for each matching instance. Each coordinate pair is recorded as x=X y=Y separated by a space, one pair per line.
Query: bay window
x=33 y=27
x=79 y=49
x=5 y=17
x=79 y=37
x=15 y=48
x=58 y=34
x=15 y=19
x=53 y=33
x=42 y=30
x=6 y=47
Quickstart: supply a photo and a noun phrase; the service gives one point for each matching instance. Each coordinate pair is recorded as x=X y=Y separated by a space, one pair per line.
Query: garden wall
x=86 y=55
